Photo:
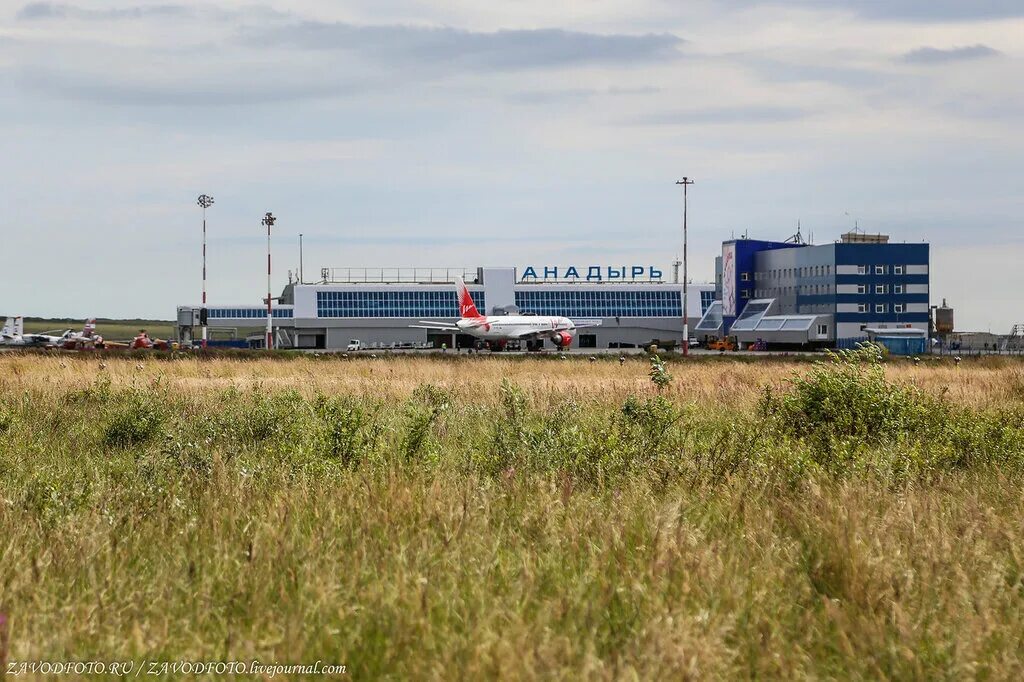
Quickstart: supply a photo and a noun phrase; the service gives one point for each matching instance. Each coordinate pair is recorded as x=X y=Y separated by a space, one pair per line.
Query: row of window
x=881 y=289
x=419 y=304
x=881 y=269
x=820 y=289
x=881 y=308
x=592 y=303
x=807 y=271
x=819 y=271
x=247 y=313
x=802 y=290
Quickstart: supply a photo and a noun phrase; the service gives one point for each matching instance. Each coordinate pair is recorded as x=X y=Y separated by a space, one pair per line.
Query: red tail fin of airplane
x=90 y=327
x=466 y=306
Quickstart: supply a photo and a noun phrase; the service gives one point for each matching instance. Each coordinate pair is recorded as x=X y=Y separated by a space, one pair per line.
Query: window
x=897 y=308
x=744 y=276
x=863 y=327
x=862 y=307
x=897 y=269
x=862 y=289
x=822 y=330
x=593 y=302
x=377 y=303
x=706 y=299
x=880 y=308
x=879 y=269
x=862 y=269
x=897 y=289
x=745 y=293
x=879 y=288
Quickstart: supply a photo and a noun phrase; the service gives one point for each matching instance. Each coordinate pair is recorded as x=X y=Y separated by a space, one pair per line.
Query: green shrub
x=266 y=417
x=849 y=398
x=509 y=434
x=659 y=373
x=6 y=420
x=424 y=408
x=344 y=436
x=134 y=422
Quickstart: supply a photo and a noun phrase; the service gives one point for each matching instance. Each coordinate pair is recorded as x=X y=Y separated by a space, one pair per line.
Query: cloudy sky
x=459 y=133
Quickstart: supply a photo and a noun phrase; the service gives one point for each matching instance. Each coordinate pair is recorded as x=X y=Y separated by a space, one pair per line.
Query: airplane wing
x=532 y=336
x=440 y=326
x=548 y=333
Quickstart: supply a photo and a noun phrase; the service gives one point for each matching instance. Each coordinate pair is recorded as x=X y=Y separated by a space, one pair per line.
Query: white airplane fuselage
x=32 y=340
x=510 y=327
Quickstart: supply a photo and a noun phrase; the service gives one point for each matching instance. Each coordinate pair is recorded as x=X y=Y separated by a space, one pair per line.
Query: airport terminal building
x=633 y=304
x=830 y=295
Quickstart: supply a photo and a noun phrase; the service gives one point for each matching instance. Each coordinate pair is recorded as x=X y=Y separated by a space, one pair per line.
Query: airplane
x=145 y=342
x=85 y=339
x=13 y=327
x=500 y=329
x=13 y=334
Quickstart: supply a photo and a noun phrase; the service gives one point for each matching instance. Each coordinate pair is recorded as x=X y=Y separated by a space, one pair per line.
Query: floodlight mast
x=269 y=221
x=205 y=201
x=685 y=182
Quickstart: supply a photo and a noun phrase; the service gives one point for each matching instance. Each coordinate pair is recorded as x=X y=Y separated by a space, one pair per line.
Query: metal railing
x=397 y=275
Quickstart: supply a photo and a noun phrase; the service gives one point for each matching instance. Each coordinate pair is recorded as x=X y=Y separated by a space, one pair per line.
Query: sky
x=458 y=134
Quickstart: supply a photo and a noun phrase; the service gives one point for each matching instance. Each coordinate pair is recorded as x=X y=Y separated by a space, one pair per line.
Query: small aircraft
x=85 y=339
x=13 y=334
x=144 y=342
x=500 y=329
x=14 y=327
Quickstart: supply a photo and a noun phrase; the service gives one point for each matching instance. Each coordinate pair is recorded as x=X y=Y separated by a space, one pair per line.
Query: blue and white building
x=634 y=304
x=835 y=295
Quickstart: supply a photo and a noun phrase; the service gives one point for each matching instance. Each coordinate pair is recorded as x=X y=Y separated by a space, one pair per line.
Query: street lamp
x=269 y=221
x=685 y=182
x=206 y=201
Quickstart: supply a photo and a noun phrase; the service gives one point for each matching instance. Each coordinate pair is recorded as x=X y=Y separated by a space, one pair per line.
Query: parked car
x=354 y=344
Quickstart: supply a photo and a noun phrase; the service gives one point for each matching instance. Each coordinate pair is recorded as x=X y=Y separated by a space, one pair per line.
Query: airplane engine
x=562 y=339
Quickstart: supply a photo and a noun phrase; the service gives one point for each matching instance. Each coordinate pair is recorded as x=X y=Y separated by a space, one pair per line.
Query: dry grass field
x=523 y=518
x=981 y=383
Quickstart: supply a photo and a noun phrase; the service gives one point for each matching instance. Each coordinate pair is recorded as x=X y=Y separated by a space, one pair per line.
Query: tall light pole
x=206 y=201
x=685 y=182
x=269 y=221
x=301 y=280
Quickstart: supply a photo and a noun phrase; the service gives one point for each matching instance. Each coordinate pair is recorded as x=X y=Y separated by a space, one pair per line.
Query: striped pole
x=269 y=221
x=206 y=202
x=685 y=182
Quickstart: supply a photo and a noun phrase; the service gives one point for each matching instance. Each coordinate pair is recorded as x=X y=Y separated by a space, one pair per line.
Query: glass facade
x=706 y=299
x=598 y=303
x=247 y=313
x=712 y=320
x=418 y=304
